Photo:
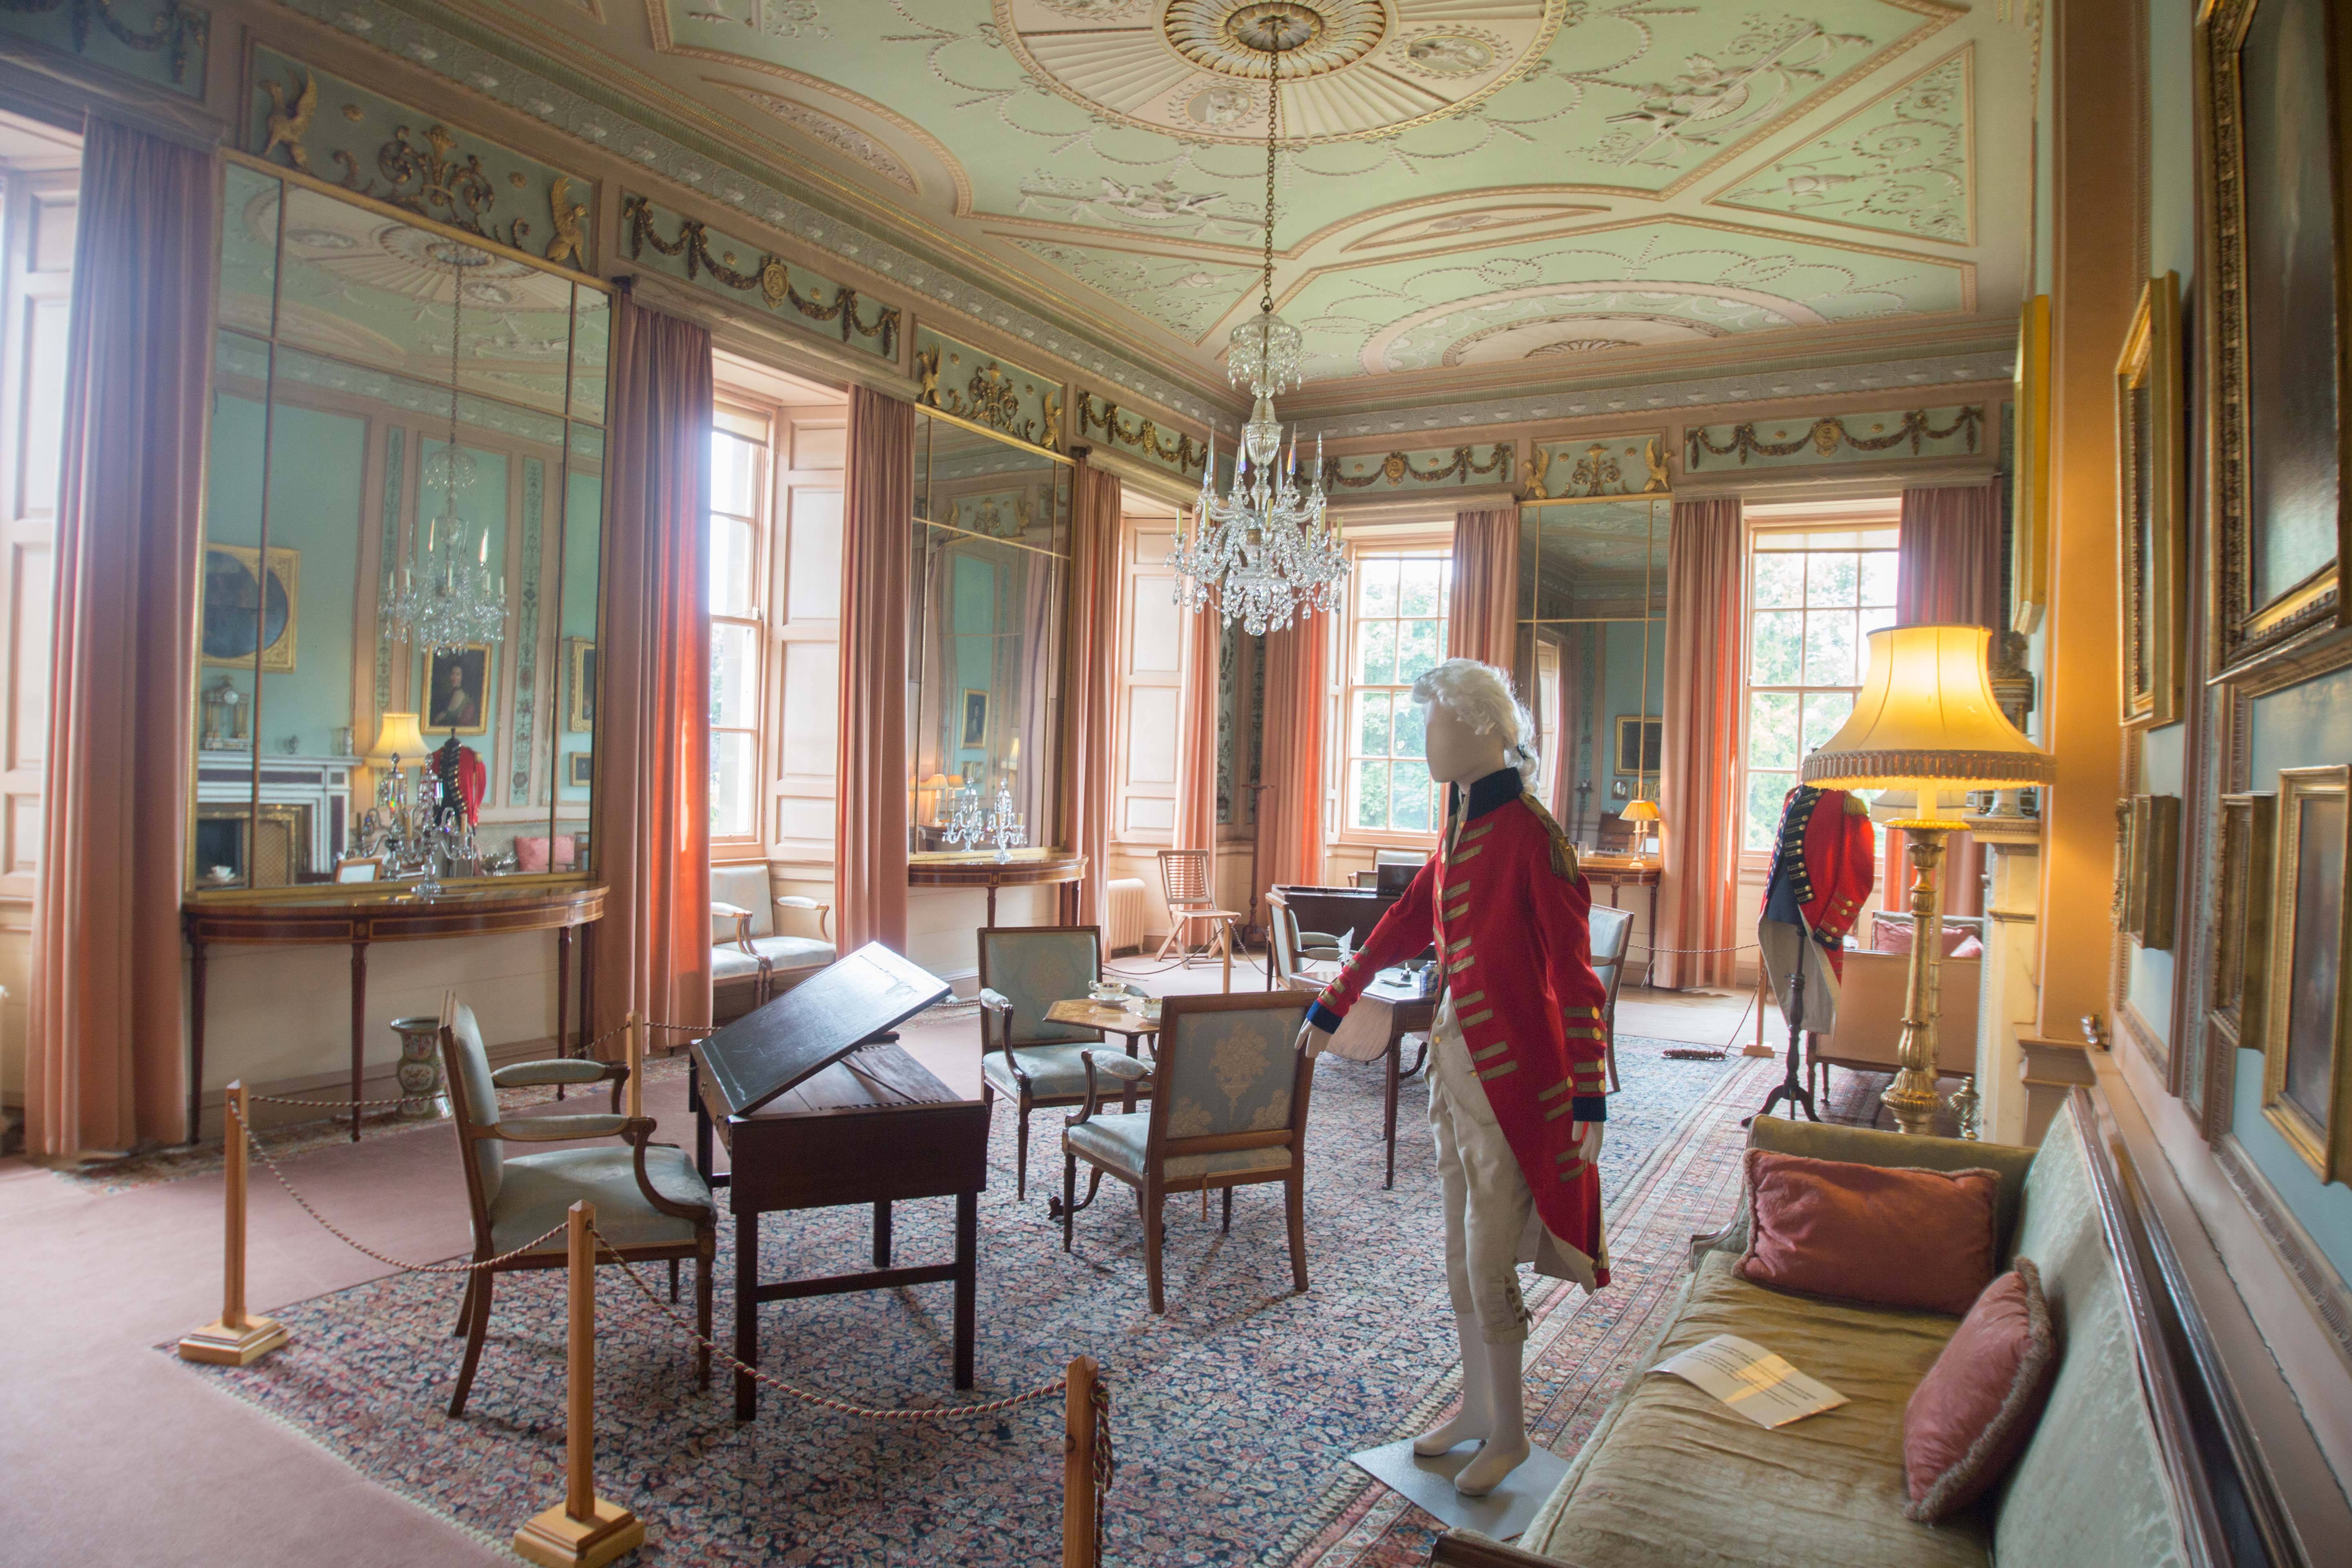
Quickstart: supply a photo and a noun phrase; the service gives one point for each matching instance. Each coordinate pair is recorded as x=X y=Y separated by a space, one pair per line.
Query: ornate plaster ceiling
x=1474 y=196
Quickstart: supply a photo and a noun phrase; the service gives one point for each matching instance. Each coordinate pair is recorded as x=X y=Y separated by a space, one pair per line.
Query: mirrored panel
x=401 y=572
x=1591 y=660
x=989 y=581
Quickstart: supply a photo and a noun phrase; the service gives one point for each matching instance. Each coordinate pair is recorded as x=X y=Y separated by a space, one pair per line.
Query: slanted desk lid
x=815 y=1023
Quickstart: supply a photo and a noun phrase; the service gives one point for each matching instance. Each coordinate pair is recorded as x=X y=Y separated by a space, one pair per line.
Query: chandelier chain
x=1273 y=129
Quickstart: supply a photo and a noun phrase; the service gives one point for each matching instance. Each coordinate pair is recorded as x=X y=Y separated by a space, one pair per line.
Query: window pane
x=1372 y=723
x=1824 y=711
x=1410 y=725
x=1765 y=792
x=1777 y=658
x=1878 y=578
x=732 y=582
x=734 y=474
x=1779 y=581
x=1833 y=577
x=1420 y=644
x=1772 y=730
x=1376 y=653
x=1829 y=648
x=1424 y=581
x=734 y=676
x=1408 y=812
x=1371 y=793
x=1377 y=582
x=732 y=795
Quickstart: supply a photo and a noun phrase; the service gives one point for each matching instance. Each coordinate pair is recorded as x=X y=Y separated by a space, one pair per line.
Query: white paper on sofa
x=1752 y=1381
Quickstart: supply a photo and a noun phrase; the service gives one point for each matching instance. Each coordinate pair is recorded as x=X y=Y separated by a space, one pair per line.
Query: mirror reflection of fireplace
x=272 y=852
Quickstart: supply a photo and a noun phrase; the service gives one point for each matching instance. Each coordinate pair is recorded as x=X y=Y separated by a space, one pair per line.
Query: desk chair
x=1613 y=935
x=1031 y=1060
x=1184 y=880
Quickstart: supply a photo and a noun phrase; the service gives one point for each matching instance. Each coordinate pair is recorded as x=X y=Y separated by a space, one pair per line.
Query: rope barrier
x=336 y=1104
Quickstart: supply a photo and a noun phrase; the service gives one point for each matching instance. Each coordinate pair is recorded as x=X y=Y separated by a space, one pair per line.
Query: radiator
x=1128 y=910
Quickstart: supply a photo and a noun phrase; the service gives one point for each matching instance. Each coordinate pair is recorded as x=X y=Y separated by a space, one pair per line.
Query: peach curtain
x=651 y=819
x=1484 y=620
x=1196 y=732
x=869 y=862
x=103 y=1062
x=1698 y=896
x=1093 y=652
x=1947 y=572
x=1290 y=830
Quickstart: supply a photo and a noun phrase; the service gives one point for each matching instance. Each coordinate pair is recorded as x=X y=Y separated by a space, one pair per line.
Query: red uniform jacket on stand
x=1510 y=913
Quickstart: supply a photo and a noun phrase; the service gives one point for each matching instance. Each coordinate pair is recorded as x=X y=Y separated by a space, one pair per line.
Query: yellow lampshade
x=1925 y=719
x=1641 y=811
x=399 y=738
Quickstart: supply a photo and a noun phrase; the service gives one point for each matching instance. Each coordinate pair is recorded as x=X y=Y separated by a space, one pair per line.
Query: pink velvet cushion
x=1969 y=947
x=1895 y=1237
x=1972 y=1413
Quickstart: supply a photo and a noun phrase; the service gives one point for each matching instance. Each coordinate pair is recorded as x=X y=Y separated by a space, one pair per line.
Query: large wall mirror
x=990 y=582
x=403 y=516
x=1592 y=659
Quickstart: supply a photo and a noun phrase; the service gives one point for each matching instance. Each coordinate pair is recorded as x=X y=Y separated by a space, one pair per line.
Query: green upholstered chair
x=751 y=960
x=1612 y=930
x=651 y=1203
x=1025 y=970
x=1229 y=1110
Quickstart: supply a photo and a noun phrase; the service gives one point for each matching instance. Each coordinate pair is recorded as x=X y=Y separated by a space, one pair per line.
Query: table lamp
x=399 y=738
x=1925 y=721
x=1646 y=813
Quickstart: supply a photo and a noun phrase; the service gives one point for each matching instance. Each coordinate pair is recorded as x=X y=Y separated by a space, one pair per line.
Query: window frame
x=1418 y=546
x=753 y=843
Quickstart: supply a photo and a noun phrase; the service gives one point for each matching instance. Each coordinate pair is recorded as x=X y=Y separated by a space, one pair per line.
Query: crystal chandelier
x=1262 y=552
x=447 y=596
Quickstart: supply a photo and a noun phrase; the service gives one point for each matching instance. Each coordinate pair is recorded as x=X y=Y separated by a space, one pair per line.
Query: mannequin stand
x=1791 y=1087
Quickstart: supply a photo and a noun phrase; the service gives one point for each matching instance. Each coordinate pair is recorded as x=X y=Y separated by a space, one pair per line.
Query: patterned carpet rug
x=1234 y=1415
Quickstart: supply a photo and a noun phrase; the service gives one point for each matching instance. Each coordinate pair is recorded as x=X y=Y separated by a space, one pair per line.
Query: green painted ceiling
x=1473 y=194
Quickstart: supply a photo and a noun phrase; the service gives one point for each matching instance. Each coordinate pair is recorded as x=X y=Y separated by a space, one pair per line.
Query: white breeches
x=1488 y=1204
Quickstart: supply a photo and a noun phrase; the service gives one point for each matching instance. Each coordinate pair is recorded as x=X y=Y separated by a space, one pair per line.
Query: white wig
x=1480 y=695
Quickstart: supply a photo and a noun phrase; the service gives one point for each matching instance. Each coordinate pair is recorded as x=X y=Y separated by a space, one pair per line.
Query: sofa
x=1671 y=1478
x=751 y=960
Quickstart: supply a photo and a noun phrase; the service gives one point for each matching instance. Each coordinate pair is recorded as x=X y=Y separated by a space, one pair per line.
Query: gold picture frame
x=2306 y=1033
x=2242 y=916
x=580 y=699
x=464 y=708
x=226 y=630
x=580 y=769
x=2152 y=531
x=2030 y=483
x=1641 y=743
x=2150 y=893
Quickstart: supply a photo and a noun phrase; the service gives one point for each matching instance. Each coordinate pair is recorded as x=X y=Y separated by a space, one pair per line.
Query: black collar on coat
x=1497 y=788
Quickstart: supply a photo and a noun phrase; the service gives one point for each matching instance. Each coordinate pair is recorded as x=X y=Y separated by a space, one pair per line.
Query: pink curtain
x=1196 y=733
x=1947 y=572
x=651 y=819
x=1290 y=831
x=869 y=863
x=1698 y=896
x=1094 y=647
x=103 y=1064
x=1485 y=614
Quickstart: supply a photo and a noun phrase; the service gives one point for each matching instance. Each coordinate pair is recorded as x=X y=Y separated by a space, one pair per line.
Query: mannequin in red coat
x=1517 y=1077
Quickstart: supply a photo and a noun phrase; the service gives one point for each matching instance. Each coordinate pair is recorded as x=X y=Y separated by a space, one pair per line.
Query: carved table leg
x=359 y=1029
x=196 y=1036
x=967 y=1280
x=747 y=1313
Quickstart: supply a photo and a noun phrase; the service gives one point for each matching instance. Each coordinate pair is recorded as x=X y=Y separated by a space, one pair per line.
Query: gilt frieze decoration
x=1397 y=471
x=1141 y=433
x=1590 y=469
x=701 y=252
x=161 y=41
x=1918 y=433
x=961 y=380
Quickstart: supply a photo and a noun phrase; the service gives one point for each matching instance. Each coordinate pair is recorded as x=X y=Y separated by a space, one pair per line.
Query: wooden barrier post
x=1079 y=1468
x=235 y=1339
x=634 y=1099
x=584 y=1530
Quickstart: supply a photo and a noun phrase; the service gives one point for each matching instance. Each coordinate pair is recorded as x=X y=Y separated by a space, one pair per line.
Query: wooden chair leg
x=1295 y=1191
x=477 y=1331
x=1612 y=1061
x=1021 y=1154
x=1151 y=1238
x=1069 y=1196
x=1227 y=1223
x=702 y=1261
x=464 y=1309
x=672 y=1280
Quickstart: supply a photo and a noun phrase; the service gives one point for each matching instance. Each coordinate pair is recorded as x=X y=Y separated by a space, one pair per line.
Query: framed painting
x=2149 y=894
x=2029 y=481
x=975 y=720
x=245 y=613
x=2276 y=338
x=2241 y=917
x=2306 y=1028
x=579 y=769
x=1641 y=743
x=2152 y=527
x=457 y=689
x=580 y=715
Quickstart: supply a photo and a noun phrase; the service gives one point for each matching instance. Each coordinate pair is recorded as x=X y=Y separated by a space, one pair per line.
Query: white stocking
x=1469 y=1424
x=1506 y=1446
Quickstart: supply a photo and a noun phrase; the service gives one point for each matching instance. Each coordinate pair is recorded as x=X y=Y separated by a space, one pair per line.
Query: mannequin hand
x=1311 y=1041
x=1588 y=1140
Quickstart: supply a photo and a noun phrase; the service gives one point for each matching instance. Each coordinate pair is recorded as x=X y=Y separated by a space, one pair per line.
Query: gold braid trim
x=1563 y=853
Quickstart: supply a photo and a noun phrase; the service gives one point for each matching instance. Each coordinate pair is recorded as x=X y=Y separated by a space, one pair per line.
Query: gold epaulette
x=1563 y=853
x=1855 y=805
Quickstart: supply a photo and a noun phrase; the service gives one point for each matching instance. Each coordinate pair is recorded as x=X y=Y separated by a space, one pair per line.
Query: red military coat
x=1510 y=913
x=1826 y=852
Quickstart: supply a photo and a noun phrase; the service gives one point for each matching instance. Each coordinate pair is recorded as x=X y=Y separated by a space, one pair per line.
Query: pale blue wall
x=1622 y=693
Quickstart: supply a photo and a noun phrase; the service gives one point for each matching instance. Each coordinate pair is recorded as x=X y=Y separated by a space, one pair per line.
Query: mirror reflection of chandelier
x=1262 y=552
x=446 y=595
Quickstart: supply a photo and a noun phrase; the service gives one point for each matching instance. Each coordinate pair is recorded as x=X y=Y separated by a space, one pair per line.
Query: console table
x=360 y=914
x=987 y=871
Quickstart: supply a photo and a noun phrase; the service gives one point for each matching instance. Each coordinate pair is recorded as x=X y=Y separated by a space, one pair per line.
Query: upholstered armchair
x=751 y=960
x=651 y=1203
x=1229 y=1110
x=1024 y=1057
x=1293 y=949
